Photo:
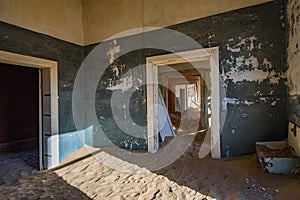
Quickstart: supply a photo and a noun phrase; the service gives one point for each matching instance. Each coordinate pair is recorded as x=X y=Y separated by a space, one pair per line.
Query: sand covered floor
x=181 y=169
x=20 y=179
x=104 y=176
x=99 y=181
x=230 y=178
x=189 y=177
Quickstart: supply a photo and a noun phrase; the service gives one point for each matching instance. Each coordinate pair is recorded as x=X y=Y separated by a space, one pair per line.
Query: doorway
x=19 y=100
x=186 y=92
x=46 y=113
x=209 y=56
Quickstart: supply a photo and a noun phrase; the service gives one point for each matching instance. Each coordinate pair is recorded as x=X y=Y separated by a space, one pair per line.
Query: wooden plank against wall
x=164 y=121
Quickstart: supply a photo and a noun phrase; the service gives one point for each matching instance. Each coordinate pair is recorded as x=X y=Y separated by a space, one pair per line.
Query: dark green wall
x=69 y=58
x=252 y=45
x=251 y=42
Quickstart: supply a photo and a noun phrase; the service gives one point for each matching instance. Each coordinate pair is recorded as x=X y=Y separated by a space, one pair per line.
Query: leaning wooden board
x=164 y=121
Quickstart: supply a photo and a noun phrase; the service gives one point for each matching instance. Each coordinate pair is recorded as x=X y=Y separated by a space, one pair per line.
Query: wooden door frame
x=34 y=62
x=152 y=64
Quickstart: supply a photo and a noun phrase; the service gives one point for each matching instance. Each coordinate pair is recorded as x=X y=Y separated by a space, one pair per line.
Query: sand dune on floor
x=99 y=181
x=106 y=175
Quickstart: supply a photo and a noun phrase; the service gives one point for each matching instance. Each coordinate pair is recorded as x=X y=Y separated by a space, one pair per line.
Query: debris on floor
x=278 y=158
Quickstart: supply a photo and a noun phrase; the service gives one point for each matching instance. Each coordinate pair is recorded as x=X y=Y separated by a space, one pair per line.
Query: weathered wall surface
x=59 y=18
x=122 y=79
x=293 y=12
x=69 y=58
x=103 y=19
x=252 y=76
x=252 y=73
x=89 y=21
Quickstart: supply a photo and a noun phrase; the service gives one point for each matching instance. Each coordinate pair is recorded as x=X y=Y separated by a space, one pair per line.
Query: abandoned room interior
x=149 y=99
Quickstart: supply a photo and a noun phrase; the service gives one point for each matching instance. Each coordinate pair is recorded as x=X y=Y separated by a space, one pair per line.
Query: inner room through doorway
x=185 y=88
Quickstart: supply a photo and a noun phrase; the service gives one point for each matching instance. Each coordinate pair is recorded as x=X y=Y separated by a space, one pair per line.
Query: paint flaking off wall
x=234 y=101
x=123 y=84
x=248 y=68
x=252 y=73
x=113 y=51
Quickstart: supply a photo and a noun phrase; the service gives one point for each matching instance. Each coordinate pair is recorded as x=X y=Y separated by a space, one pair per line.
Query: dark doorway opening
x=19 y=112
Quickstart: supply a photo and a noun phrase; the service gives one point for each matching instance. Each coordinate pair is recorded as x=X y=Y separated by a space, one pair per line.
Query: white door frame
x=33 y=62
x=209 y=54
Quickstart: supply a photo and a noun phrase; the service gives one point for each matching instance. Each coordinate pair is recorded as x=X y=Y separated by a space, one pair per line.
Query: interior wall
x=86 y=22
x=18 y=103
x=58 y=18
x=165 y=13
x=103 y=19
x=293 y=12
x=252 y=77
x=68 y=56
x=252 y=67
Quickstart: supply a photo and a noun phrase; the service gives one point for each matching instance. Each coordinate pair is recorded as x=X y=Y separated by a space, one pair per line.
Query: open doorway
x=186 y=91
x=190 y=81
x=19 y=114
x=31 y=93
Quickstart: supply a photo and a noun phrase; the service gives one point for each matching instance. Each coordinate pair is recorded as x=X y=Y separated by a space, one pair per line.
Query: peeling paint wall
x=293 y=12
x=253 y=73
x=254 y=79
x=253 y=76
x=69 y=57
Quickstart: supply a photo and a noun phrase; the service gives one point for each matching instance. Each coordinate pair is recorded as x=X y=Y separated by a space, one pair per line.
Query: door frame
x=152 y=64
x=33 y=62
